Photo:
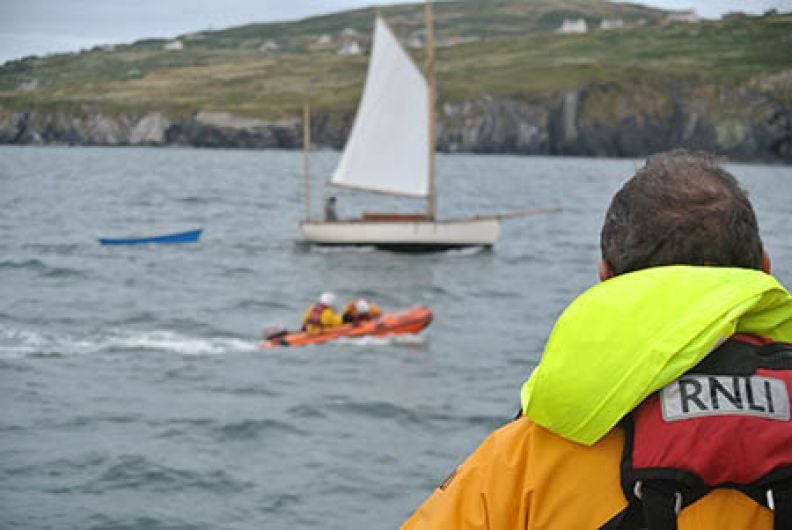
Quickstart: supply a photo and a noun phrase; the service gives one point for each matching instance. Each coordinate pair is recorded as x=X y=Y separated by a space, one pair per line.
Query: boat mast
x=431 y=206
x=307 y=158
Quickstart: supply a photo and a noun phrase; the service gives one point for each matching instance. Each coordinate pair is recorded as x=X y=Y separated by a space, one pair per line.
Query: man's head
x=681 y=208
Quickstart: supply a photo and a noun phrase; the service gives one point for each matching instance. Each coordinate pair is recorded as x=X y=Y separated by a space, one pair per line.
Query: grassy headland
x=485 y=47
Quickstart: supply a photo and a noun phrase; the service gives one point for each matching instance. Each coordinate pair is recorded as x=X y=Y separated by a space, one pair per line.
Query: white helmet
x=362 y=307
x=327 y=299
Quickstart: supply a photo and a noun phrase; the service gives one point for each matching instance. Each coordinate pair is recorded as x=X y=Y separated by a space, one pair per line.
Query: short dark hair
x=681 y=208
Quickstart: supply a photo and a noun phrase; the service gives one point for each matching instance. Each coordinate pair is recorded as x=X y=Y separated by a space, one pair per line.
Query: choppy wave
x=41 y=268
x=243 y=430
x=237 y=271
x=170 y=341
x=256 y=390
x=22 y=342
x=194 y=200
x=141 y=317
x=54 y=248
x=390 y=340
x=24 y=264
x=135 y=522
x=136 y=472
x=254 y=429
x=92 y=421
x=304 y=411
x=58 y=467
x=497 y=293
x=379 y=410
x=278 y=503
x=256 y=304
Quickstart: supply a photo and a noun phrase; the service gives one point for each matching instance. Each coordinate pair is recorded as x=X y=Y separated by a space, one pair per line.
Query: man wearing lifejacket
x=321 y=316
x=662 y=399
x=360 y=310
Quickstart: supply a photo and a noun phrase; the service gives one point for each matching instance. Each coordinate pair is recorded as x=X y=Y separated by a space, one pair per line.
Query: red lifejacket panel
x=316 y=314
x=724 y=424
x=359 y=318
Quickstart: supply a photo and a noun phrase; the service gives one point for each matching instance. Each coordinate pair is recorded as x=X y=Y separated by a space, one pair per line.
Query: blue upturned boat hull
x=190 y=236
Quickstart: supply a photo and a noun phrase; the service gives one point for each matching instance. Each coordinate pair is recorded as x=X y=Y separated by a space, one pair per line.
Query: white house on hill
x=350 y=48
x=173 y=46
x=269 y=46
x=688 y=16
x=573 y=26
x=611 y=23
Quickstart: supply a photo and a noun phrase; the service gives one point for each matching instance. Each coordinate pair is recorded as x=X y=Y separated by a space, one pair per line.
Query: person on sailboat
x=330 y=209
x=322 y=315
x=360 y=310
x=687 y=305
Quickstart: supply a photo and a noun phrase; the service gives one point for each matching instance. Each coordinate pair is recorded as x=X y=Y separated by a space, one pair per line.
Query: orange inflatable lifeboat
x=409 y=321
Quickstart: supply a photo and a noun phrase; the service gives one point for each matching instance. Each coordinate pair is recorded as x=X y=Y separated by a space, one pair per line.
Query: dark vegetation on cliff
x=487 y=50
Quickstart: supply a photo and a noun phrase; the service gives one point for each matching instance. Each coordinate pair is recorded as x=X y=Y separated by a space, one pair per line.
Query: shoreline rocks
x=598 y=120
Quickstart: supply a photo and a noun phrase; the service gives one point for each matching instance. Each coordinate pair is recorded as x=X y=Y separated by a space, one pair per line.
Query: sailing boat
x=391 y=149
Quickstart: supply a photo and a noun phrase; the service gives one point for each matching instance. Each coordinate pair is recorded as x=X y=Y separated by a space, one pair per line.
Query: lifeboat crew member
x=321 y=316
x=683 y=269
x=360 y=310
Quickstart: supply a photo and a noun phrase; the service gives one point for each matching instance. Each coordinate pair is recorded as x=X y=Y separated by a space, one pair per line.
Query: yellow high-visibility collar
x=633 y=334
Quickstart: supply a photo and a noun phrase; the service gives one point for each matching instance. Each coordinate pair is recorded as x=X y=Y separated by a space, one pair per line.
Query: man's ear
x=605 y=271
x=765 y=262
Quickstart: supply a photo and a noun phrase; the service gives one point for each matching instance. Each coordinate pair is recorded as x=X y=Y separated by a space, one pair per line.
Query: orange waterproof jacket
x=350 y=311
x=525 y=477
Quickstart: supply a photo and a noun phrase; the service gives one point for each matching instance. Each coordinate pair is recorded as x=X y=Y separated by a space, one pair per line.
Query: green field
x=503 y=48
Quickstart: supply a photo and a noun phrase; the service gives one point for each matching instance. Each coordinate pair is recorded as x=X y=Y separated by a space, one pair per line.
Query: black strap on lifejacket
x=782 y=504
x=656 y=495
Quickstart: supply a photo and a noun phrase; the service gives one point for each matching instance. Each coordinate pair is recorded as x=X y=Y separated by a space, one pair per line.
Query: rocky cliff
x=619 y=121
x=597 y=120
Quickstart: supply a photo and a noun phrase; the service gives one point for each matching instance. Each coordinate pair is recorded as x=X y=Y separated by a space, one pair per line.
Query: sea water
x=133 y=394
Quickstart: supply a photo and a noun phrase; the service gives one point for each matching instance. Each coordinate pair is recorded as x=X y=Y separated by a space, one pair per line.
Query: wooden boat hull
x=190 y=236
x=407 y=235
x=410 y=321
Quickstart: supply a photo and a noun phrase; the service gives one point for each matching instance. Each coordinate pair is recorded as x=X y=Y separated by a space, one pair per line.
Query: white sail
x=388 y=147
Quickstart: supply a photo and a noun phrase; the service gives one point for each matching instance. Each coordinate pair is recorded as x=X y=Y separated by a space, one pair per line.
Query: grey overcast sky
x=38 y=27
